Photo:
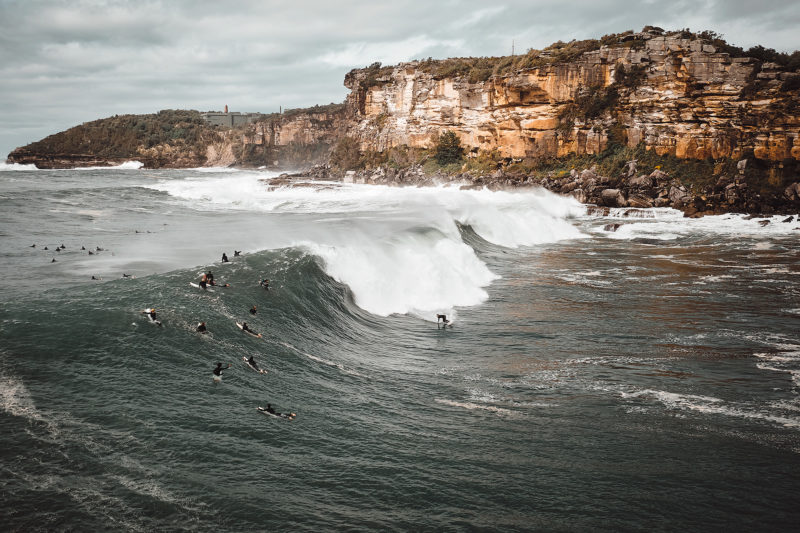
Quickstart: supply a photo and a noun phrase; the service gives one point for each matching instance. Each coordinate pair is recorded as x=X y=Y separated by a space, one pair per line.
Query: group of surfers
x=207 y=279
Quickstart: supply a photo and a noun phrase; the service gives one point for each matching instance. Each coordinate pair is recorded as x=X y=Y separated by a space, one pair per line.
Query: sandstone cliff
x=688 y=100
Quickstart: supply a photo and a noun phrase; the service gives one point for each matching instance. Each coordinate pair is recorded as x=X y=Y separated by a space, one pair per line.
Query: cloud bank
x=67 y=62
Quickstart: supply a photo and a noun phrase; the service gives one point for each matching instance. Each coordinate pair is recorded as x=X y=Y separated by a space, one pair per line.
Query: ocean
x=643 y=379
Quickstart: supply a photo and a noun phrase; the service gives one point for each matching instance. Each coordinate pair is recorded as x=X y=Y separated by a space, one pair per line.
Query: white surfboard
x=285 y=416
x=257 y=335
x=251 y=367
x=197 y=286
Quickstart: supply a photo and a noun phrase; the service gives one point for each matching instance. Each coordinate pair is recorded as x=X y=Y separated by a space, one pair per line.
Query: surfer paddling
x=201 y=328
x=271 y=411
x=218 y=372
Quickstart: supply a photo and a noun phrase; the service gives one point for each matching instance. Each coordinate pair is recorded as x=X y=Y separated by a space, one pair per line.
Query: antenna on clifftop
x=512 y=47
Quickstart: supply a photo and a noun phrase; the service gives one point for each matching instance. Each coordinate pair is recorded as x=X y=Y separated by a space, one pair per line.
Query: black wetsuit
x=201 y=328
x=270 y=410
x=252 y=362
x=224 y=258
x=152 y=315
x=218 y=370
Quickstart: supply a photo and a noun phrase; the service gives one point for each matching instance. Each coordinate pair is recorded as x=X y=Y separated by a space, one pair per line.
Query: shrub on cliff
x=346 y=154
x=448 y=148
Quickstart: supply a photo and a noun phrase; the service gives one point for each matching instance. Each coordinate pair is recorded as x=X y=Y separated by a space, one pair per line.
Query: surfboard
x=257 y=335
x=251 y=367
x=197 y=286
x=285 y=416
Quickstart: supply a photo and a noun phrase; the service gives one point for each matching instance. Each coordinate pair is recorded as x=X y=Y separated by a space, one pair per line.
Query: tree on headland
x=448 y=148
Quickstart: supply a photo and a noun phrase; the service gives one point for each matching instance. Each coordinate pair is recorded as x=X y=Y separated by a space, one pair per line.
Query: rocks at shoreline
x=630 y=189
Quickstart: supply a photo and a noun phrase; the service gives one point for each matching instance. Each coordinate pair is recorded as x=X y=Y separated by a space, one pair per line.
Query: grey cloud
x=65 y=62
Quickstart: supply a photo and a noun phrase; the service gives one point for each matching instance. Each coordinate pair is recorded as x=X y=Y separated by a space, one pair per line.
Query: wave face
x=398 y=250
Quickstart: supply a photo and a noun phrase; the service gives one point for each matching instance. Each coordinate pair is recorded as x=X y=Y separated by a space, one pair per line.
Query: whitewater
x=594 y=377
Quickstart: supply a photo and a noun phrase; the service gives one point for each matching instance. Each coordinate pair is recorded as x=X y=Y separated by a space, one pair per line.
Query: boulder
x=640 y=201
x=658 y=174
x=630 y=168
x=612 y=198
x=678 y=195
x=611 y=227
x=642 y=182
x=580 y=195
x=792 y=192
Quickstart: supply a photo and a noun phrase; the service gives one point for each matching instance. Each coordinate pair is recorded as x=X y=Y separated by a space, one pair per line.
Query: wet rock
x=612 y=198
x=611 y=227
x=597 y=210
x=792 y=192
x=639 y=201
x=580 y=195
x=791 y=218
x=763 y=223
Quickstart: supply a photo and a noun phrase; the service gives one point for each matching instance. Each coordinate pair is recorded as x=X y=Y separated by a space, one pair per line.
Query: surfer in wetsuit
x=236 y=253
x=270 y=409
x=253 y=310
x=252 y=362
x=224 y=258
x=246 y=328
x=151 y=313
x=201 y=327
x=265 y=283
x=210 y=278
x=218 y=371
x=442 y=318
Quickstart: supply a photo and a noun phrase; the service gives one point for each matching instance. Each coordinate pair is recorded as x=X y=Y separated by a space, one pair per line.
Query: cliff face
x=678 y=96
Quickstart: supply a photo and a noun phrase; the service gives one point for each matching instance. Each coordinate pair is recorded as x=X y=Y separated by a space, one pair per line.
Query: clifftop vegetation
x=480 y=69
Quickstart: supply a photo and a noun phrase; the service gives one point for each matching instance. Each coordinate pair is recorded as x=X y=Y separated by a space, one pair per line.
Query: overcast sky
x=64 y=62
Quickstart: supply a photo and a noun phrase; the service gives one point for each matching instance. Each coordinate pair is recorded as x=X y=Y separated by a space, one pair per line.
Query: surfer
x=209 y=278
x=269 y=409
x=218 y=371
x=253 y=310
x=265 y=283
x=237 y=253
x=442 y=319
x=151 y=312
x=224 y=258
x=246 y=328
x=252 y=362
x=201 y=327
x=127 y=276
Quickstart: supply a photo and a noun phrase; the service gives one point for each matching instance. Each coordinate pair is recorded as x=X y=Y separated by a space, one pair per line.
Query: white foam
x=714 y=406
x=669 y=224
x=421 y=275
x=127 y=165
x=16 y=166
x=473 y=406
x=16 y=400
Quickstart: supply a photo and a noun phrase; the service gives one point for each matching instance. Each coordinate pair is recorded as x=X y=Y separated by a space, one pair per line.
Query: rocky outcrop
x=691 y=101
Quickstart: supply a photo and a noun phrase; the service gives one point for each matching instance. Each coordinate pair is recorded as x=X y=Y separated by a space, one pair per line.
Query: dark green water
x=640 y=380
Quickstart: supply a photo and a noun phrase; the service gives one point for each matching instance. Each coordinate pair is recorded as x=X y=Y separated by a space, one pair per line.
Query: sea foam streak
x=398 y=249
x=16 y=166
